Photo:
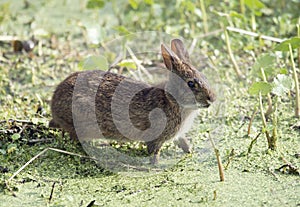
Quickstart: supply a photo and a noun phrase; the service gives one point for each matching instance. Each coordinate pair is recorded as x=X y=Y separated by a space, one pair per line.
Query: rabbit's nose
x=211 y=97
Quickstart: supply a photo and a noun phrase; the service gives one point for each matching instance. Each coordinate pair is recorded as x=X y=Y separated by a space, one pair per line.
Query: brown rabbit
x=97 y=104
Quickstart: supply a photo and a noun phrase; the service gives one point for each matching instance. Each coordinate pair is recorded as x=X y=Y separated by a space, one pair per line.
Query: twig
x=26 y=164
x=52 y=190
x=204 y=16
x=220 y=166
x=20 y=121
x=9 y=189
x=91 y=203
x=138 y=62
x=8 y=38
x=230 y=157
x=252 y=142
x=295 y=76
x=272 y=173
x=264 y=122
x=298 y=31
x=254 y=34
x=209 y=34
x=42 y=152
x=232 y=59
x=32 y=141
x=293 y=169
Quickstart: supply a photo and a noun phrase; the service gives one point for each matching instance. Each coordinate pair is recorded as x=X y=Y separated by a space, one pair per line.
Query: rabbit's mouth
x=204 y=104
x=197 y=105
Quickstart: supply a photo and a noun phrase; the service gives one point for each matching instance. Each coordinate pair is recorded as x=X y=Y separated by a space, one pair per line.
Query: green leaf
x=122 y=30
x=264 y=61
x=190 y=6
x=282 y=85
x=127 y=63
x=284 y=46
x=262 y=87
x=237 y=15
x=95 y=4
x=133 y=4
x=254 y=4
x=283 y=71
x=149 y=2
x=15 y=136
x=11 y=148
x=2 y=151
x=93 y=63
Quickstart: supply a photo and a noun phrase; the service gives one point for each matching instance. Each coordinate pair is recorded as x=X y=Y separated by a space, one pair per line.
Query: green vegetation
x=250 y=52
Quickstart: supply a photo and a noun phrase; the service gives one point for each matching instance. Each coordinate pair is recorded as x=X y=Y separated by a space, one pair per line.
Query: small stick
x=33 y=141
x=7 y=38
x=231 y=56
x=215 y=32
x=52 y=190
x=298 y=31
x=252 y=142
x=42 y=152
x=220 y=166
x=91 y=203
x=26 y=164
x=264 y=123
x=138 y=62
x=254 y=34
x=295 y=77
x=204 y=16
x=9 y=189
x=231 y=156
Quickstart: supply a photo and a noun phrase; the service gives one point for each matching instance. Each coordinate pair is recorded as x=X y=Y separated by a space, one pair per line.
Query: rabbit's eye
x=191 y=84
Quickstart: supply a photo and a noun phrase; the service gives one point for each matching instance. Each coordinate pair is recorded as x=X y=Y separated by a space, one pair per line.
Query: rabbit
x=97 y=104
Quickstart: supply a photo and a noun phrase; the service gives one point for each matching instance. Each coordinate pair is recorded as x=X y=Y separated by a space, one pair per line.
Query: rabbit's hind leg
x=153 y=148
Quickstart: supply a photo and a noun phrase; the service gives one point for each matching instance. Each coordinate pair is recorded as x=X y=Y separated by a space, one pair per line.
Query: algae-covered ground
x=42 y=42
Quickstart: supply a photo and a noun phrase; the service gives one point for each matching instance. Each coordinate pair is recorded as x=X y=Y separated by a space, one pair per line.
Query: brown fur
x=95 y=91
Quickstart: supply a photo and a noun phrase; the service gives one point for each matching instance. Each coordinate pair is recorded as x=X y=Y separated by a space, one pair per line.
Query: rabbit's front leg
x=153 y=148
x=184 y=144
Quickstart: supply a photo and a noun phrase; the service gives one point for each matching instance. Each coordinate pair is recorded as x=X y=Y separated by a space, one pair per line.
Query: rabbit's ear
x=179 y=49
x=170 y=58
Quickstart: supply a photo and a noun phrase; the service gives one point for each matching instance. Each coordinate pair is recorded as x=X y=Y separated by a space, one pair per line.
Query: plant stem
x=298 y=32
x=220 y=165
x=254 y=34
x=242 y=7
x=274 y=134
x=269 y=110
x=204 y=16
x=235 y=65
x=253 y=22
x=252 y=143
x=295 y=76
x=264 y=122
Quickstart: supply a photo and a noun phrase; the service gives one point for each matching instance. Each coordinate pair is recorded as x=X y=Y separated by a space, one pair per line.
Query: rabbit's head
x=186 y=84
